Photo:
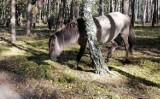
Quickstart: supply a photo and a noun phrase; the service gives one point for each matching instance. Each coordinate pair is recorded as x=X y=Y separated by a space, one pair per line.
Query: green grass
x=28 y=59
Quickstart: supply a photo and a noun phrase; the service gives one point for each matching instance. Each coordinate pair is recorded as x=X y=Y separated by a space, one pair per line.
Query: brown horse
x=108 y=28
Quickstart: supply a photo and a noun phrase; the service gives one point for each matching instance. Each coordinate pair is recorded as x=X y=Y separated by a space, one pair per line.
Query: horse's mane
x=68 y=34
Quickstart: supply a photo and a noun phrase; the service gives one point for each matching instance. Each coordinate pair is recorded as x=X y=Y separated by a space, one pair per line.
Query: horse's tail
x=131 y=39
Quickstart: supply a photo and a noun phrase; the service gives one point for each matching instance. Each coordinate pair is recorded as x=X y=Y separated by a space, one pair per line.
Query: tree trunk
x=13 y=21
x=111 y=5
x=63 y=8
x=115 y=5
x=49 y=8
x=154 y=14
x=125 y=6
x=144 y=5
x=147 y=12
x=60 y=19
x=28 y=29
x=101 y=7
x=2 y=8
x=133 y=14
x=72 y=14
x=76 y=11
x=157 y=11
x=136 y=10
x=40 y=6
x=94 y=48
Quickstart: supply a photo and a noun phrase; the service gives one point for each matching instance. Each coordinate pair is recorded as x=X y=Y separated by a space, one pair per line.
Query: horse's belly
x=104 y=35
x=104 y=38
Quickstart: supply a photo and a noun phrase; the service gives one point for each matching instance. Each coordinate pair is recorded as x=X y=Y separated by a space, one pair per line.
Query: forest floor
x=27 y=72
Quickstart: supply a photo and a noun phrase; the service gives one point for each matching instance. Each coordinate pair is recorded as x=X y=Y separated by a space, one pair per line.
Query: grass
x=28 y=61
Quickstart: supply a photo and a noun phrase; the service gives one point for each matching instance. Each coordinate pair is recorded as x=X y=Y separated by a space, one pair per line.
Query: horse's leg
x=125 y=39
x=111 y=51
x=80 y=54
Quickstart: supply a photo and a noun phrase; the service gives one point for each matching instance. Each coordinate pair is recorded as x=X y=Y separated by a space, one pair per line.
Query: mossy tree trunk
x=94 y=48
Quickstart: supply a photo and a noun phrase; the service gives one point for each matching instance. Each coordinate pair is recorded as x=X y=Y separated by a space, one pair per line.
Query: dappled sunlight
x=13 y=51
x=28 y=60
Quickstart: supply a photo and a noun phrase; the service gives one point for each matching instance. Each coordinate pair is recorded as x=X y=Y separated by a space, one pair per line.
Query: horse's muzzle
x=52 y=58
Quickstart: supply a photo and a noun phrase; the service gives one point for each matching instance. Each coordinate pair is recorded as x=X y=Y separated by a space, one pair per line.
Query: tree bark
x=60 y=19
x=101 y=7
x=28 y=29
x=111 y=5
x=144 y=6
x=49 y=8
x=154 y=14
x=72 y=10
x=13 y=21
x=136 y=10
x=125 y=6
x=157 y=11
x=76 y=11
x=133 y=13
x=40 y=6
x=94 y=48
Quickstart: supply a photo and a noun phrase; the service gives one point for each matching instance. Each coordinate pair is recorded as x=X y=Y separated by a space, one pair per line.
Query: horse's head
x=67 y=35
x=54 y=48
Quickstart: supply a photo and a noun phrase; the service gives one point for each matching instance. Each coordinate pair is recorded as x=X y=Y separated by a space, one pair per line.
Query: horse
x=52 y=21
x=108 y=28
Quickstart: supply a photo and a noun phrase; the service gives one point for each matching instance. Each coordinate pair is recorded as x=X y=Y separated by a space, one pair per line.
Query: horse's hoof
x=108 y=59
x=127 y=61
x=77 y=68
x=74 y=68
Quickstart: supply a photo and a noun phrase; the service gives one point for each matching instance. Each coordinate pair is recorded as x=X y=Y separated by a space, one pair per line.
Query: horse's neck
x=60 y=41
x=65 y=39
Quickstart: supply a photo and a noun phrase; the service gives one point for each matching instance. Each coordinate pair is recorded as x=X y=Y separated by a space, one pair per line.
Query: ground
x=27 y=72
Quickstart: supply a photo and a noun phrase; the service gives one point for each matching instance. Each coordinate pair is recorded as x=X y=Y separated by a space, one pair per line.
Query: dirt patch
x=8 y=92
x=8 y=88
x=15 y=87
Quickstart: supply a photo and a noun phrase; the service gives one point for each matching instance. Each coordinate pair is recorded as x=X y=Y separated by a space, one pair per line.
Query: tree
x=101 y=7
x=136 y=9
x=49 y=8
x=95 y=52
x=133 y=13
x=13 y=21
x=72 y=10
x=40 y=6
x=154 y=13
x=60 y=19
x=29 y=16
x=125 y=6
x=144 y=6
x=111 y=5
x=28 y=29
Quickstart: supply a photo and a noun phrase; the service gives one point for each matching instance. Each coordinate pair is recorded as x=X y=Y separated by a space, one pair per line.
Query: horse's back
x=110 y=26
x=120 y=19
x=103 y=28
